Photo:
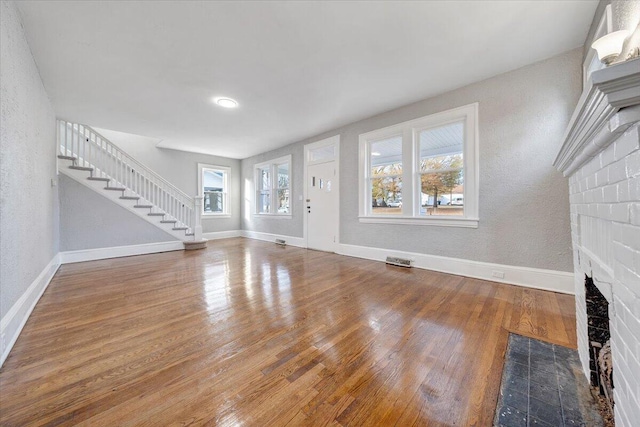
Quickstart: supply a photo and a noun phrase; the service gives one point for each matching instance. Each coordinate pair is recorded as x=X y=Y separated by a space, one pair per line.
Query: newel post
x=197 y=223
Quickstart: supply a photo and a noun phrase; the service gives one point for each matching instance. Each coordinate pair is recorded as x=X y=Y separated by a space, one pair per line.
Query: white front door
x=322 y=194
x=321 y=206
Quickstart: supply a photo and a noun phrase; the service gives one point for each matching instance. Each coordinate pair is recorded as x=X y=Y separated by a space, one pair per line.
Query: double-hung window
x=424 y=171
x=213 y=184
x=273 y=187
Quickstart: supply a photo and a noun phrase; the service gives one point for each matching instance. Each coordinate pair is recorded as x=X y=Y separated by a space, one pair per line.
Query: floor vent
x=281 y=242
x=400 y=262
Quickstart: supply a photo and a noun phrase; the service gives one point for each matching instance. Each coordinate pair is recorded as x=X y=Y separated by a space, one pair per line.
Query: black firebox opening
x=599 y=340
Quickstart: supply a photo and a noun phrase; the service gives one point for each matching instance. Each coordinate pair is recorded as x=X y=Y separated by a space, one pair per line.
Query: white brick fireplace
x=601 y=157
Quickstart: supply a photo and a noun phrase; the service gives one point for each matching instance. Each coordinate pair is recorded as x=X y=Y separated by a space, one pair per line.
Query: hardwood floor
x=249 y=333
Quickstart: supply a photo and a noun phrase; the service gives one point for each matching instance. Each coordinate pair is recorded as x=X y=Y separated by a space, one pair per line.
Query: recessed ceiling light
x=226 y=102
x=375 y=153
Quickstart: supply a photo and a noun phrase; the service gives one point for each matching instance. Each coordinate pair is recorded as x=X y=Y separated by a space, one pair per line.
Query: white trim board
x=267 y=237
x=549 y=280
x=12 y=323
x=119 y=251
x=217 y=235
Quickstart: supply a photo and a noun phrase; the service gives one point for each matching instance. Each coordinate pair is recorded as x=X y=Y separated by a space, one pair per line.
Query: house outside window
x=424 y=171
x=273 y=187
x=213 y=186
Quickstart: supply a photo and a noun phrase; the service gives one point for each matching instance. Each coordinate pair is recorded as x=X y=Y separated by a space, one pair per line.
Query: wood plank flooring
x=246 y=333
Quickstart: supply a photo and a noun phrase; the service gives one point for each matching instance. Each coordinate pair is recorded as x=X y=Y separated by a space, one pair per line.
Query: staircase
x=89 y=158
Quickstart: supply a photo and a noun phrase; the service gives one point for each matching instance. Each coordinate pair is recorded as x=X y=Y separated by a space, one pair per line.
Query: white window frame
x=273 y=167
x=226 y=170
x=411 y=170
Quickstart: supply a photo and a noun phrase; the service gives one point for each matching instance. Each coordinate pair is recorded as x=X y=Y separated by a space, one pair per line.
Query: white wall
x=88 y=220
x=28 y=202
x=524 y=206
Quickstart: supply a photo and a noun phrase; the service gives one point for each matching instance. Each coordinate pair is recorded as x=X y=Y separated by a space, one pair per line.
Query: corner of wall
x=29 y=209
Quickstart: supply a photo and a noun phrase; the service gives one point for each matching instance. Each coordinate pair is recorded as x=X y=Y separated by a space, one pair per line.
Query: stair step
x=143 y=206
x=60 y=156
x=180 y=228
x=156 y=213
x=168 y=221
x=81 y=168
x=98 y=178
x=129 y=197
x=115 y=188
x=201 y=244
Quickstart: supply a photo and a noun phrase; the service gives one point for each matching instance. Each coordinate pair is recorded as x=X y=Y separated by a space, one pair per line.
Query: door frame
x=334 y=140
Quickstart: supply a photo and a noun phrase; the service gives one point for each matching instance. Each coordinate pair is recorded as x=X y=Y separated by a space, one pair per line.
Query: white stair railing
x=90 y=149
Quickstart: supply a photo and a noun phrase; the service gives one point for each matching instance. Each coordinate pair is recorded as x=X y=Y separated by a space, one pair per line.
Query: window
x=213 y=182
x=441 y=170
x=273 y=187
x=385 y=179
x=423 y=171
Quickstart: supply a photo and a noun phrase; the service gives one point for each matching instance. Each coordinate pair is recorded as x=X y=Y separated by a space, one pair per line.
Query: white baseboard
x=267 y=237
x=119 y=251
x=12 y=323
x=550 y=280
x=222 y=234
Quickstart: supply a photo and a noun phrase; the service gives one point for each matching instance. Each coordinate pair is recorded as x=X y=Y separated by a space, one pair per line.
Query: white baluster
x=197 y=218
x=74 y=140
x=84 y=147
x=100 y=156
x=91 y=150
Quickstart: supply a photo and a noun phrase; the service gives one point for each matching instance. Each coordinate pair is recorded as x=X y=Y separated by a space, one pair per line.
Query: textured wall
x=28 y=203
x=181 y=169
x=524 y=206
x=626 y=16
x=89 y=220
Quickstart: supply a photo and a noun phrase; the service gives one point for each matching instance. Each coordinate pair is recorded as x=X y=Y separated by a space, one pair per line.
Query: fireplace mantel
x=601 y=114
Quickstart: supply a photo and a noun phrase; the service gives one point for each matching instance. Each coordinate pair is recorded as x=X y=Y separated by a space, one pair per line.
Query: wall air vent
x=281 y=242
x=400 y=262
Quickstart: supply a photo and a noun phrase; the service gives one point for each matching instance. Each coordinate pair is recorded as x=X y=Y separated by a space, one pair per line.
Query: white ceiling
x=297 y=68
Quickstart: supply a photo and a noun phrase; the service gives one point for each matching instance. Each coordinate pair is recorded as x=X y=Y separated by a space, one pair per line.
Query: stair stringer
x=114 y=196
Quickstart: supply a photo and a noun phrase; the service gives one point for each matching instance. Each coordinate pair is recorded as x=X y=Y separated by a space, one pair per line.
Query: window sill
x=438 y=221
x=214 y=216
x=273 y=216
